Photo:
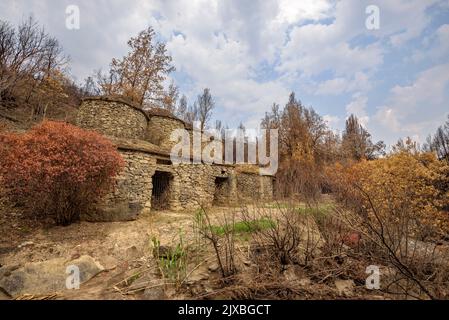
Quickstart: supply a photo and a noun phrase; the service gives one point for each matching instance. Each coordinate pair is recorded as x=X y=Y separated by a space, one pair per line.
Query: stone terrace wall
x=132 y=193
x=112 y=117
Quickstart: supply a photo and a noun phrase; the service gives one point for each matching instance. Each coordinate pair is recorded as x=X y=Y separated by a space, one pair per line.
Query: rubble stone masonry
x=143 y=140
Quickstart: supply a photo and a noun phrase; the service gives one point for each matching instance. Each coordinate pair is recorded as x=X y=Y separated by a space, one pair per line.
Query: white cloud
x=357 y=107
x=416 y=109
x=293 y=11
x=252 y=53
x=435 y=47
x=388 y=118
x=331 y=120
x=442 y=45
x=328 y=46
x=360 y=82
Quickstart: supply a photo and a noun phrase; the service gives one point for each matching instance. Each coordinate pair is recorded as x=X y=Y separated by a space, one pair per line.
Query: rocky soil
x=117 y=261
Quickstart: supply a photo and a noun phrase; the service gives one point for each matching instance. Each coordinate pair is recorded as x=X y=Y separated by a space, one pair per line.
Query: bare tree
x=205 y=106
x=439 y=142
x=181 y=110
x=272 y=119
x=28 y=58
x=170 y=98
x=357 y=141
x=220 y=128
x=89 y=87
x=192 y=114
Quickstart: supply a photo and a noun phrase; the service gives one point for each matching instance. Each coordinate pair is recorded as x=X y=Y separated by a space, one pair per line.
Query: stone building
x=150 y=181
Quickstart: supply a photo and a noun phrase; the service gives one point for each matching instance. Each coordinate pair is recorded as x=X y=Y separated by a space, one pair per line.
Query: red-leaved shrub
x=57 y=170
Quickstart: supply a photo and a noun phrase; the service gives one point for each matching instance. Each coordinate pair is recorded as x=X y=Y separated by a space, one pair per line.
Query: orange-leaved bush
x=401 y=183
x=57 y=170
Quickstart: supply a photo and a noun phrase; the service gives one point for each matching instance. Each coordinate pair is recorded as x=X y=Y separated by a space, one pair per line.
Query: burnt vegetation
x=343 y=202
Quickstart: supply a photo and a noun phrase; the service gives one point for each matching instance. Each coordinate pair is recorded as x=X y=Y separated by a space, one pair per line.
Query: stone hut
x=150 y=181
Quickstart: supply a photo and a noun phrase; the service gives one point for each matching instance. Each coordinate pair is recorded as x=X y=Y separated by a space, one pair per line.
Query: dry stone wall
x=191 y=186
x=266 y=187
x=112 y=117
x=251 y=186
x=160 y=128
x=132 y=192
x=194 y=184
x=248 y=186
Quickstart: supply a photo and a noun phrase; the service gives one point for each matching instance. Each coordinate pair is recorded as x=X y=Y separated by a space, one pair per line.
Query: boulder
x=46 y=277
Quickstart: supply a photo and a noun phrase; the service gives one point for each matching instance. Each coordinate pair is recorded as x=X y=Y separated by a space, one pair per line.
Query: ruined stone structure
x=150 y=181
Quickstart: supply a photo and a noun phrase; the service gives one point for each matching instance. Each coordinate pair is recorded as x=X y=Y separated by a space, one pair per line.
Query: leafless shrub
x=412 y=268
x=287 y=236
x=222 y=242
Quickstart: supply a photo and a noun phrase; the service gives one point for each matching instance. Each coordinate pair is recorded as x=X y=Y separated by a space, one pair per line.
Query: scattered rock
x=162 y=251
x=155 y=293
x=345 y=288
x=76 y=256
x=25 y=244
x=304 y=282
x=198 y=275
x=123 y=211
x=213 y=267
x=132 y=253
x=425 y=251
x=108 y=262
x=46 y=277
x=246 y=262
x=290 y=274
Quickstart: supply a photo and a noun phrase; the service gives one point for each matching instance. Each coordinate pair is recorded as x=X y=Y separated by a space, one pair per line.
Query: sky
x=394 y=77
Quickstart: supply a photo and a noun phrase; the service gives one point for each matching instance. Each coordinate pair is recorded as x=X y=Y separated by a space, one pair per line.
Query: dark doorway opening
x=160 y=198
x=222 y=188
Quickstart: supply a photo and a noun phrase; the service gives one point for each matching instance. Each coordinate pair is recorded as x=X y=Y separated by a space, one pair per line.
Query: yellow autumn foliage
x=404 y=182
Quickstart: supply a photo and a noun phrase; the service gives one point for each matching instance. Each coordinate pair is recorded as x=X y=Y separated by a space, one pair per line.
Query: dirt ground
x=125 y=250
x=118 y=246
